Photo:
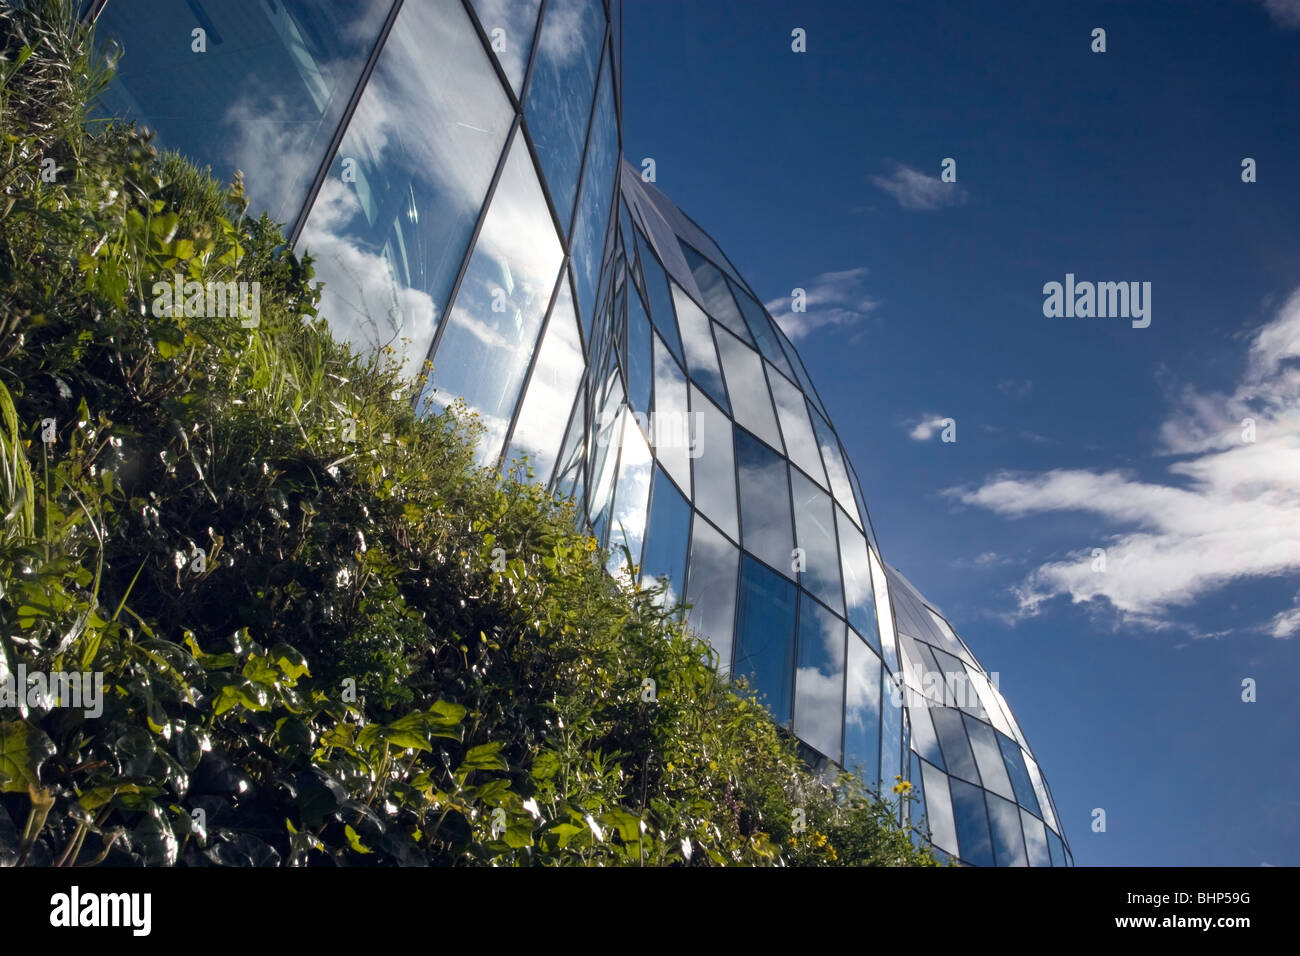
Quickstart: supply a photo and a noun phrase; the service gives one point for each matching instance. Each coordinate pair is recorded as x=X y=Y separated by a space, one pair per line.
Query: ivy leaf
x=23 y=750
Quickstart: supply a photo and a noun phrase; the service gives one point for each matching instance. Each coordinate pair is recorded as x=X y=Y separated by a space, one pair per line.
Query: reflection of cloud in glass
x=359 y=285
x=389 y=244
x=630 y=495
x=551 y=390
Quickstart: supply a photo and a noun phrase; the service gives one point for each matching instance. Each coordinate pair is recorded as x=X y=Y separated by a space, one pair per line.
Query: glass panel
x=509 y=25
x=265 y=98
x=389 y=241
x=1035 y=840
x=551 y=390
x=993 y=771
x=800 y=443
x=856 y=566
x=952 y=737
x=835 y=468
x=764 y=503
x=666 y=533
x=1008 y=843
x=1020 y=781
x=891 y=731
x=984 y=690
x=592 y=224
x=674 y=442
x=559 y=95
x=938 y=804
x=715 y=476
x=862 y=712
x=972 y=823
x=717 y=297
x=819 y=680
x=761 y=327
x=711 y=588
x=493 y=327
x=804 y=381
x=815 y=533
x=883 y=616
x=607 y=435
x=1057 y=850
x=1040 y=789
x=747 y=386
x=661 y=300
x=701 y=358
x=924 y=740
x=639 y=357
x=630 y=497
x=765 y=637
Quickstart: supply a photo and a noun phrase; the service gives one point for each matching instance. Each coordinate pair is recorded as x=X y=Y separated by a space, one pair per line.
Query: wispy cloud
x=913 y=189
x=831 y=299
x=923 y=428
x=1285 y=13
x=1229 y=511
x=1014 y=389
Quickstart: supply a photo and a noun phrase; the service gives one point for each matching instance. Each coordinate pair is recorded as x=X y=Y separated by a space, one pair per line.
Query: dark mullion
x=526 y=85
x=336 y=141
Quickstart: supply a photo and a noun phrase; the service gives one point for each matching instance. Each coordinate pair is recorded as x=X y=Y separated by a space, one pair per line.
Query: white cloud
x=913 y=189
x=1014 y=389
x=924 y=428
x=1285 y=13
x=832 y=298
x=1229 y=510
x=1285 y=623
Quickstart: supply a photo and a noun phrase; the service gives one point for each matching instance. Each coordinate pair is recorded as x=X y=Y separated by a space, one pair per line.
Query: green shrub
x=308 y=655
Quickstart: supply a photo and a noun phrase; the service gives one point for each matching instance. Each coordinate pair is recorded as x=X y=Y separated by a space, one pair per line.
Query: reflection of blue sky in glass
x=388 y=246
x=492 y=330
x=264 y=98
x=560 y=92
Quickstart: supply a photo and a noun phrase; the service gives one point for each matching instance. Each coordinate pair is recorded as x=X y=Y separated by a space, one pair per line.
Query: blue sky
x=821 y=171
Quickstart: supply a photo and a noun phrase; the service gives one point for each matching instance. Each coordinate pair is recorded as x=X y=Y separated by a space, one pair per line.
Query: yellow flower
x=903 y=787
x=591 y=544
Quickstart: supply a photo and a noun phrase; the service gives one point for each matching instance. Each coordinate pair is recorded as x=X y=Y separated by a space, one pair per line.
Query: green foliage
x=307 y=654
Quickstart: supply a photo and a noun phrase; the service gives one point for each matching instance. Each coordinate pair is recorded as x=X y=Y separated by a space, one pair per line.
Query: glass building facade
x=454 y=168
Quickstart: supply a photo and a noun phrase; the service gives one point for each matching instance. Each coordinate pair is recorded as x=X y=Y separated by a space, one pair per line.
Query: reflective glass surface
x=856 y=568
x=510 y=25
x=667 y=531
x=589 y=228
x=491 y=333
x=640 y=357
x=862 y=711
x=761 y=328
x=661 y=300
x=1008 y=842
x=630 y=496
x=938 y=805
x=264 y=96
x=765 y=527
x=551 y=389
x=711 y=587
x=988 y=757
x=560 y=93
x=747 y=386
x=672 y=431
x=819 y=679
x=972 y=823
x=952 y=738
x=715 y=474
x=717 y=297
x=800 y=443
x=393 y=219
x=701 y=356
x=764 y=652
x=815 y=534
